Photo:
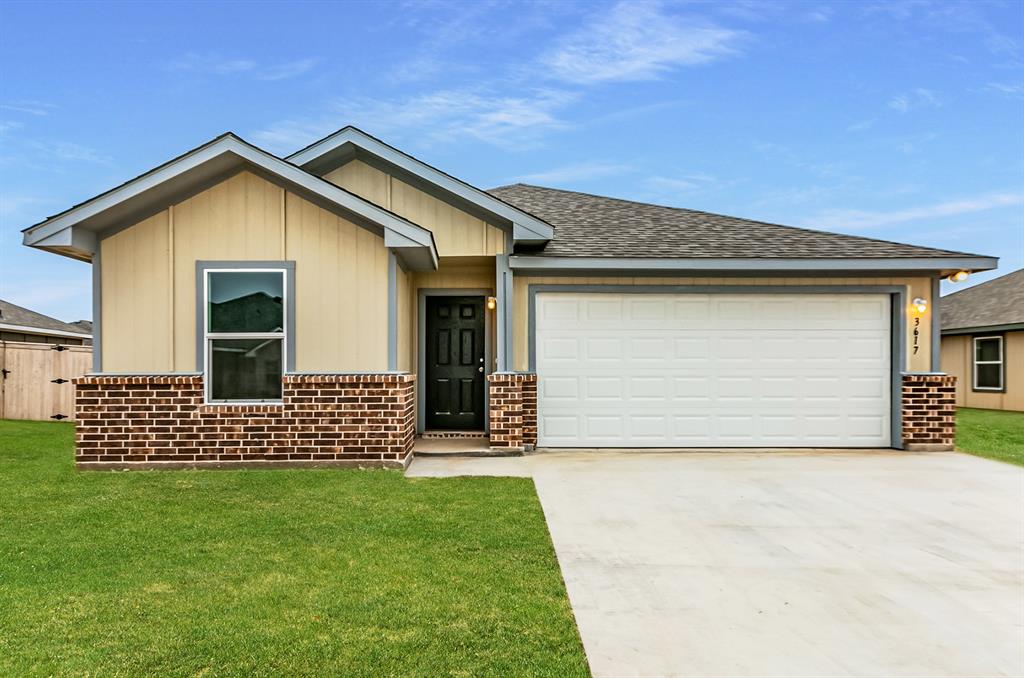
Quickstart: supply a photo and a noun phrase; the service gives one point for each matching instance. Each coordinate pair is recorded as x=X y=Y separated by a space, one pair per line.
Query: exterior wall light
x=959 y=276
x=920 y=304
x=492 y=303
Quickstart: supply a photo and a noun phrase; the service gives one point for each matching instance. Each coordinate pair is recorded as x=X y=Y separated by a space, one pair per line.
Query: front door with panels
x=454 y=363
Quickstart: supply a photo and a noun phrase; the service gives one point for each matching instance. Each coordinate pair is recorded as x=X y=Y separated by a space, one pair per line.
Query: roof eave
x=931 y=266
x=76 y=232
x=983 y=329
x=334 y=150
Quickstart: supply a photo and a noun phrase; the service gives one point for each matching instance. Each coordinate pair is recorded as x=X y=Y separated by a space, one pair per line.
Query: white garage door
x=713 y=370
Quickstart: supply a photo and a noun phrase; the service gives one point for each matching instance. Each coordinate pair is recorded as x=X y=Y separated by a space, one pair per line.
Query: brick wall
x=513 y=410
x=327 y=420
x=929 y=411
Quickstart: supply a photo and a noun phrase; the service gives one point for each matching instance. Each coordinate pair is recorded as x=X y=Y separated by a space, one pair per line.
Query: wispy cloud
x=502 y=120
x=861 y=125
x=9 y=125
x=287 y=70
x=219 y=65
x=682 y=184
x=1014 y=90
x=915 y=98
x=637 y=41
x=67 y=151
x=28 y=106
x=576 y=172
x=861 y=220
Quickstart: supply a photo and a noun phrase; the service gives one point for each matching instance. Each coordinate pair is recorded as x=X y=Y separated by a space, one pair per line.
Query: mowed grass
x=995 y=434
x=290 y=572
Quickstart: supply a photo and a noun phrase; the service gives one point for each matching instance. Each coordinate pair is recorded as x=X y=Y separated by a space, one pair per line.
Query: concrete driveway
x=785 y=564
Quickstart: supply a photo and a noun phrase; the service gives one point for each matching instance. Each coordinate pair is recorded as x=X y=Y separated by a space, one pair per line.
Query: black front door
x=455 y=363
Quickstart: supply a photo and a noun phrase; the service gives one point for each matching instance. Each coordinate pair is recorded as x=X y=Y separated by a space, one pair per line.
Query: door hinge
x=58 y=380
x=58 y=417
x=5 y=372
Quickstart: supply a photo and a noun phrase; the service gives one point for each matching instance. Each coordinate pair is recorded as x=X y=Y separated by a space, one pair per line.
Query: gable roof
x=996 y=303
x=336 y=149
x=16 y=318
x=73 y=232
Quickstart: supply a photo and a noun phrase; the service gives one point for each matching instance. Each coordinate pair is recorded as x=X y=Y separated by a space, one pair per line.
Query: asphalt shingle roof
x=999 y=301
x=596 y=226
x=12 y=314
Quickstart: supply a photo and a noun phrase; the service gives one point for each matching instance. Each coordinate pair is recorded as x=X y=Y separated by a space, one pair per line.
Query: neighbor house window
x=245 y=339
x=988 y=363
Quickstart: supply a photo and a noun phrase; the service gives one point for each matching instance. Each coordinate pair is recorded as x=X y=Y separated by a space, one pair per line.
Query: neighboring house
x=983 y=343
x=410 y=300
x=20 y=324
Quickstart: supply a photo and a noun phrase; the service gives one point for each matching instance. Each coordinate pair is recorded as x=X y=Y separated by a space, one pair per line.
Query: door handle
x=480 y=369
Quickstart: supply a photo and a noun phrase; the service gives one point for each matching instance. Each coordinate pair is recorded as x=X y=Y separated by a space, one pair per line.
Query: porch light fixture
x=959 y=276
x=920 y=304
x=492 y=303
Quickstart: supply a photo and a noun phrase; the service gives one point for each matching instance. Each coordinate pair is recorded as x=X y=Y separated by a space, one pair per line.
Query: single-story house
x=983 y=343
x=326 y=306
x=18 y=323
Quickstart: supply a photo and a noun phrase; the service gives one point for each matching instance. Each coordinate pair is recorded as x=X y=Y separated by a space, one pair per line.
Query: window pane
x=988 y=376
x=987 y=349
x=245 y=369
x=246 y=302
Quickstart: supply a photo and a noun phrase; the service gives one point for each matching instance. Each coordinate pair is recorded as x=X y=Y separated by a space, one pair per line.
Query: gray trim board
x=936 y=325
x=897 y=335
x=503 y=295
x=1011 y=327
x=392 y=311
x=421 y=346
x=289 y=303
x=316 y=157
x=97 y=313
x=604 y=265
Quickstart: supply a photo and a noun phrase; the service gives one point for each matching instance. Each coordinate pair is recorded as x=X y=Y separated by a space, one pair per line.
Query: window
x=988 y=363
x=245 y=337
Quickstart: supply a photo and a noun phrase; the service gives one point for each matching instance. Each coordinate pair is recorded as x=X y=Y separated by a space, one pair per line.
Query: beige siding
x=148 y=323
x=456 y=233
x=341 y=291
x=136 y=317
x=957 y=357
x=917 y=287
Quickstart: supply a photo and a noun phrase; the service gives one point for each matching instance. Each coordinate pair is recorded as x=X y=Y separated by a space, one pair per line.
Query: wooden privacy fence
x=37 y=379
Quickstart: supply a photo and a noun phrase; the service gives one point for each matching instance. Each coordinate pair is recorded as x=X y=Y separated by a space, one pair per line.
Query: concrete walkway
x=784 y=564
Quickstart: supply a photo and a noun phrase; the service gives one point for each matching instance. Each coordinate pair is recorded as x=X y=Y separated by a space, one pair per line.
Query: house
x=18 y=323
x=983 y=343
x=406 y=300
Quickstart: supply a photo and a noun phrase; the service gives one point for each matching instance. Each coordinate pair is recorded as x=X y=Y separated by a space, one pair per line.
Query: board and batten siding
x=148 y=278
x=916 y=287
x=456 y=233
x=957 y=359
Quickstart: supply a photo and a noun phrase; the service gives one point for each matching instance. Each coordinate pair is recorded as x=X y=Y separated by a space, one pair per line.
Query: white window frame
x=208 y=336
x=1001 y=362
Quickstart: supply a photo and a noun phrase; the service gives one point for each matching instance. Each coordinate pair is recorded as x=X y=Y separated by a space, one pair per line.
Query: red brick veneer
x=513 y=410
x=324 y=419
x=929 y=411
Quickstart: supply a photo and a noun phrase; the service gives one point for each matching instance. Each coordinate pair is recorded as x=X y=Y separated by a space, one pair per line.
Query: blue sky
x=896 y=120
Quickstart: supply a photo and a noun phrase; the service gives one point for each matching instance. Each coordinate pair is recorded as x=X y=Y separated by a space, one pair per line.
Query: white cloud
x=68 y=151
x=576 y=172
x=859 y=220
x=683 y=184
x=1014 y=90
x=637 y=41
x=287 y=70
x=29 y=106
x=9 y=125
x=434 y=117
x=216 y=64
x=861 y=125
x=915 y=98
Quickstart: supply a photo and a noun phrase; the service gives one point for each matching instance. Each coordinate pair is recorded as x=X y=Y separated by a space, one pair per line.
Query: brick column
x=513 y=410
x=929 y=412
x=323 y=420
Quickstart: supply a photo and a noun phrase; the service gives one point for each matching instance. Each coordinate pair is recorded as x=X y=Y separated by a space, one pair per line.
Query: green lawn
x=991 y=433
x=290 y=572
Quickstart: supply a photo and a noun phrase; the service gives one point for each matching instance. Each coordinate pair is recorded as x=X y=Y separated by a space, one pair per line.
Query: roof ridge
x=730 y=216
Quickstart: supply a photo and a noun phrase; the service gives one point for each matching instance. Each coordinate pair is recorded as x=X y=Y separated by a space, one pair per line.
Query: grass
x=995 y=434
x=289 y=572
